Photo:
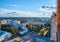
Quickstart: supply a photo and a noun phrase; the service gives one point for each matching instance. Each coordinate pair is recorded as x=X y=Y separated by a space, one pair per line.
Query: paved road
x=32 y=35
x=17 y=38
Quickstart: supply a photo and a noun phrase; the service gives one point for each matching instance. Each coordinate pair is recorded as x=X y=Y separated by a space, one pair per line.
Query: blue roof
x=25 y=30
x=1 y=32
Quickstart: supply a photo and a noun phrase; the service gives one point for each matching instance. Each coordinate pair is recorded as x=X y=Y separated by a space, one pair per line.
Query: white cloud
x=43 y=11
x=46 y=11
x=14 y=5
x=14 y=13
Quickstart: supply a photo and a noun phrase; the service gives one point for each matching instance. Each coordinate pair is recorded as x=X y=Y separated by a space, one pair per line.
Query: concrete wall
x=54 y=27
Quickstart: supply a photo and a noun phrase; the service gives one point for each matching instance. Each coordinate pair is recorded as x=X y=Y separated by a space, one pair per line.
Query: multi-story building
x=56 y=24
x=54 y=27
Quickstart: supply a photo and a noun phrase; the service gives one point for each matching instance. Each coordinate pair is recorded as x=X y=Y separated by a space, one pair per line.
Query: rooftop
x=1 y=32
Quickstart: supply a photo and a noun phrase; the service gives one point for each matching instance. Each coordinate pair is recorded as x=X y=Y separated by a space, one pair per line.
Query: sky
x=27 y=8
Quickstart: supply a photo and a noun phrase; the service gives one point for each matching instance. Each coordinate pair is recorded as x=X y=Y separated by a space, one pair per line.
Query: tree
x=12 y=29
x=0 y=26
x=34 y=28
x=42 y=31
x=29 y=26
x=47 y=24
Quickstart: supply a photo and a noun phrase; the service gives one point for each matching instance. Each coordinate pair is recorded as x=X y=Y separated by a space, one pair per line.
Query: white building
x=4 y=35
x=18 y=22
x=25 y=30
x=4 y=21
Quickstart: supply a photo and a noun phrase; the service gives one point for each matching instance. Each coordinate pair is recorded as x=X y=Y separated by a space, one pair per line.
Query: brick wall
x=58 y=12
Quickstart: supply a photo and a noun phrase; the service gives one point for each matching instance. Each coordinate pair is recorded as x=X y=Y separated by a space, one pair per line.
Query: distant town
x=25 y=29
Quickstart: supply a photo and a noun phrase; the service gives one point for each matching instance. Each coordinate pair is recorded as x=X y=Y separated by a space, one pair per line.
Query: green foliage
x=9 y=28
x=47 y=24
x=34 y=27
x=42 y=31
x=0 y=26
x=29 y=26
